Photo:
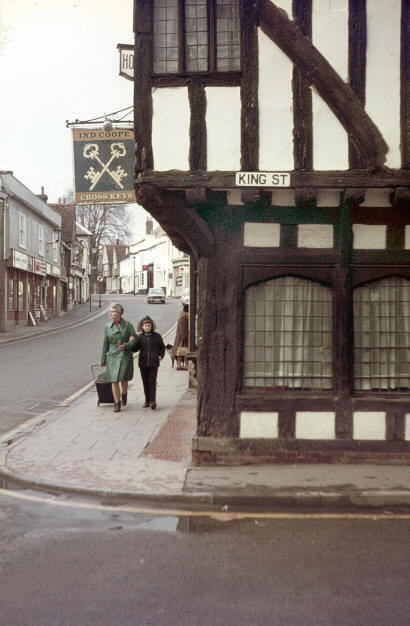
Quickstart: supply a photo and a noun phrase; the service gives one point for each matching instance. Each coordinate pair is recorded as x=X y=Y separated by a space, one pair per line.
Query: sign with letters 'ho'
x=103 y=165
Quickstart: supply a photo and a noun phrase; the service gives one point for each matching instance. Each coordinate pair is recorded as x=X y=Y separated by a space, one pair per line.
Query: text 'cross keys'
x=91 y=152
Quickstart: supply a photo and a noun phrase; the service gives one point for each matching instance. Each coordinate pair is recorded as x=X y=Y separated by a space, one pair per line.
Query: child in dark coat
x=151 y=351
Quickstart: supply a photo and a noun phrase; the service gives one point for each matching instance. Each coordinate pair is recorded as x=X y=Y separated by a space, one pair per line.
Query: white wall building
x=154 y=262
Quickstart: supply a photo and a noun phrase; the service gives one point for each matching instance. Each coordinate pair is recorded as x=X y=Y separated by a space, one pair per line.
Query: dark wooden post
x=302 y=96
x=405 y=83
x=357 y=63
x=343 y=333
x=218 y=356
x=142 y=86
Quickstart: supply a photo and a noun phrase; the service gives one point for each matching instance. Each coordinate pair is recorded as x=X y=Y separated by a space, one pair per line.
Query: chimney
x=42 y=195
x=149 y=226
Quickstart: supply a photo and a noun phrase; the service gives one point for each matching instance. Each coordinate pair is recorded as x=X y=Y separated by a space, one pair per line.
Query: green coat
x=120 y=364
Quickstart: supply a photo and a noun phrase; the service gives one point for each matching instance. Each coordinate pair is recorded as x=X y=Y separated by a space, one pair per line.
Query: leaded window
x=382 y=335
x=288 y=335
x=196 y=36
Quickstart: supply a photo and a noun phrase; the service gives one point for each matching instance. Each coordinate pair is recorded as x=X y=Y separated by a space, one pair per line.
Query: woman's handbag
x=182 y=350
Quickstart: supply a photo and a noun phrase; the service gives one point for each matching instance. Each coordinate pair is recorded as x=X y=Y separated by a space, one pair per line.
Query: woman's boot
x=117 y=407
x=124 y=399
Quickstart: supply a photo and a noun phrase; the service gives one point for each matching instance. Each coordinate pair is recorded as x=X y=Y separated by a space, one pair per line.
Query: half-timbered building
x=273 y=146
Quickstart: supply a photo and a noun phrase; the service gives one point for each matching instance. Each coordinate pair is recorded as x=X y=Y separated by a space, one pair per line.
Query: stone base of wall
x=231 y=451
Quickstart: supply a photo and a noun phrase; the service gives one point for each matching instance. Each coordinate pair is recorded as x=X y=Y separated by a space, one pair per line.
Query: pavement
x=144 y=454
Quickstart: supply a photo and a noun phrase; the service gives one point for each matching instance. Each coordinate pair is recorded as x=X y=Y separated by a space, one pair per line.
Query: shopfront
x=32 y=290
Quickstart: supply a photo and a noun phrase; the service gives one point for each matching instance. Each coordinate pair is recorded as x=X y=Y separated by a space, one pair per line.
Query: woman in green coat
x=116 y=354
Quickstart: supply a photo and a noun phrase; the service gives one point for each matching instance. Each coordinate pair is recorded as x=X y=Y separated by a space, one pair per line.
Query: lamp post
x=93 y=250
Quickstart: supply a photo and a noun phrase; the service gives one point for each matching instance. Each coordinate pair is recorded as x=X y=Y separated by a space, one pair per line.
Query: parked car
x=185 y=296
x=155 y=295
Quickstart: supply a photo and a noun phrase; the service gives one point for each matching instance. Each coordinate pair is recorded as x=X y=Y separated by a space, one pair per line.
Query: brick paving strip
x=173 y=442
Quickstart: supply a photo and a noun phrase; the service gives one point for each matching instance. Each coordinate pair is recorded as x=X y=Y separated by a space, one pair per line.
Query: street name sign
x=262 y=179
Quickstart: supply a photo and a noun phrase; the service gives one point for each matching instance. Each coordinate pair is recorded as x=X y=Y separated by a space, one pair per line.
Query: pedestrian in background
x=180 y=347
x=151 y=352
x=116 y=354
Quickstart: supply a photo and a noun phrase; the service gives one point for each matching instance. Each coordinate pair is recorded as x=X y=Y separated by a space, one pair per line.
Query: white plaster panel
x=327 y=197
x=223 y=128
x=283 y=197
x=407 y=427
x=275 y=107
x=377 y=198
x=170 y=129
x=330 y=36
x=234 y=196
x=258 y=425
x=315 y=425
x=369 y=425
x=261 y=235
x=330 y=32
x=407 y=238
x=369 y=236
x=383 y=73
x=330 y=140
x=315 y=236
x=286 y=5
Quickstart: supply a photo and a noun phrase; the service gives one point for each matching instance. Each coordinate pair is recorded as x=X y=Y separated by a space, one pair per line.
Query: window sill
x=207 y=78
x=376 y=396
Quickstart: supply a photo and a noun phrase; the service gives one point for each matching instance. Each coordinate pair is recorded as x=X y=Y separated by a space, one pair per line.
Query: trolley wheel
x=98 y=403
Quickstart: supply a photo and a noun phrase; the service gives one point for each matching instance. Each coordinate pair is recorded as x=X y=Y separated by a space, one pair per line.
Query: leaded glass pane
x=166 y=36
x=382 y=335
x=196 y=36
x=288 y=335
x=227 y=35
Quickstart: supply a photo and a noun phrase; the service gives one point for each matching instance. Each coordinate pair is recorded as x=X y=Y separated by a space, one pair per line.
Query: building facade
x=30 y=261
x=110 y=266
x=288 y=185
x=154 y=262
x=76 y=242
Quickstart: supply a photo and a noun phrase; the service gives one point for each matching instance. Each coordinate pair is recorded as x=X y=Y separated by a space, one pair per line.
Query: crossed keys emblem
x=91 y=152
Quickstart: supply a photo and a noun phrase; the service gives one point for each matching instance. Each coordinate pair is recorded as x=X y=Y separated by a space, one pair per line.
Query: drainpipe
x=4 y=205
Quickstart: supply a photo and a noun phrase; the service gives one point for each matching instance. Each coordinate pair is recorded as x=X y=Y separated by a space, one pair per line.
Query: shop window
x=12 y=304
x=196 y=36
x=382 y=335
x=22 y=230
x=288 y=335
x=21 y=303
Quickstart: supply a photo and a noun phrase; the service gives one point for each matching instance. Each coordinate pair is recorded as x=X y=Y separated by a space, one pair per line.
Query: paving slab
x=141 y=453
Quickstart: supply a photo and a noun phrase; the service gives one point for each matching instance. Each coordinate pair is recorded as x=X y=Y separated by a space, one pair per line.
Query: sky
x=58 y=61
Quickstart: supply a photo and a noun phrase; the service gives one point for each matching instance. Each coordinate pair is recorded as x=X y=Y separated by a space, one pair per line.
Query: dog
x=169 y=348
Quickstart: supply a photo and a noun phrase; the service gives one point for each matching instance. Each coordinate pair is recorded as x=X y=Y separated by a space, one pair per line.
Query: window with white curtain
x=41 y=240
x=382 y=335
x=288 y=335
x=55 y=251
x=22 y=230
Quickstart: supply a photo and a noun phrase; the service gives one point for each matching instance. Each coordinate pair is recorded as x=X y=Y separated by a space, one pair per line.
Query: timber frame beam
x=336 y=179
x=339 y=96
x=186 y=229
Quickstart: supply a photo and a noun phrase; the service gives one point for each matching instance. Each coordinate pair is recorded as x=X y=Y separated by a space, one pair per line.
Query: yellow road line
x=222 y=516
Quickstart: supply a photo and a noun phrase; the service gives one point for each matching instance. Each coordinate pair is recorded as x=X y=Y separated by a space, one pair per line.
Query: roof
x=121 y=251
x=81 y=230
x=15 y=189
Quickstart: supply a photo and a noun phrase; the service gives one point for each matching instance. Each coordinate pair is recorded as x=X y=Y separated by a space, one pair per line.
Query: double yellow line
x=220 y=516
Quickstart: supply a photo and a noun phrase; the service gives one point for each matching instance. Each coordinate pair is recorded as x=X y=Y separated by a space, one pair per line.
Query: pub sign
x=103 y=166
